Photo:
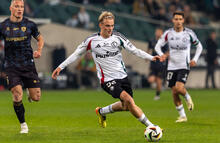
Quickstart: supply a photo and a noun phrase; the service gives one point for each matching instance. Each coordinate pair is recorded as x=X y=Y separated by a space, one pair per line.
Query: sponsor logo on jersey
x=15 y=28
x=98 y=46
x=108 y=54
x=178 y=48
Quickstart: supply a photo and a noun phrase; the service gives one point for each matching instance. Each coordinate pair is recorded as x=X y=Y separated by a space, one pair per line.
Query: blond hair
x=16 y=0
x=106 y=15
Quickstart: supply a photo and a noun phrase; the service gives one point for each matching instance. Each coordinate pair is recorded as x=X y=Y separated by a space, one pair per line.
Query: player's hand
x=37 y=54
x=156 y=58
x=56 y=72
x=163 y=58
x=192 y=63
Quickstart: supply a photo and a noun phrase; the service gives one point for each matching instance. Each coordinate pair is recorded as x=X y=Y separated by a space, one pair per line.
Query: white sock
x=187 y=96
x=143 y=119
x=181 y=110
x=106 y=110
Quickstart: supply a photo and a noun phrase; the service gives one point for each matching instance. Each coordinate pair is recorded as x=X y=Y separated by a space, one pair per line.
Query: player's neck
x=178 y=29
x=16 y=19
x=105 y=36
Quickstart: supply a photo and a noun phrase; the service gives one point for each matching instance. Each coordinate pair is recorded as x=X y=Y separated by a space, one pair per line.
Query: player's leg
x=102 y=112
x=128 y=103
x=17 y=94
x=182 y=90
x=179 y=106
x=34 y=93
x=182 y=76
x=158 y=87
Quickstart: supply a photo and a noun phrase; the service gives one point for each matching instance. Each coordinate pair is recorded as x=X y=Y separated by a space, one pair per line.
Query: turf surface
x=68 y=117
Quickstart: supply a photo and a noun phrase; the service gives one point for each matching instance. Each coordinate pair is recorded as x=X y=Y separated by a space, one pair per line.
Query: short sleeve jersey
x=179 y=44
x=17 y=37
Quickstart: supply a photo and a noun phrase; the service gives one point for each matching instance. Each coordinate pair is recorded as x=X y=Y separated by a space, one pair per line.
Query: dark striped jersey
x=17 y=37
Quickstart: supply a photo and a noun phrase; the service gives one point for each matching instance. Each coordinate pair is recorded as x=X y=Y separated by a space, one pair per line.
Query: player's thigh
x=182 y=75
x=113 y=88
x=13 y=78
x=151 y=78
x=35 y=93
x=17 y=93
x=171 y=78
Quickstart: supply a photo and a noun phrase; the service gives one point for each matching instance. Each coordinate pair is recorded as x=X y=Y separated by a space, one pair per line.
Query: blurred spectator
x=179 y=4
x=171 y=10
x=161 y=15
x=189 y=20
x=139 y=8
x=87 y=72
x=52 y=2
x=152 y=7
x=211 y=58
x=27 y=10
x=84 y=18
x=73 y=21
x=109 y=2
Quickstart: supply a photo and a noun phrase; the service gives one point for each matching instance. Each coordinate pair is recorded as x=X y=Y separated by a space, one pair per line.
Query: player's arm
x=73 y=57
x=197 y=54
x=160 y=43
x=196 y=43
x=40 y=45
x=138 y=52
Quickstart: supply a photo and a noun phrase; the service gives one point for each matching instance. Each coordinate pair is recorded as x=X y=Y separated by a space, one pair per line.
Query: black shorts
x=157 y=71
x=115 y=87
x=25 y=76
x=180 y=75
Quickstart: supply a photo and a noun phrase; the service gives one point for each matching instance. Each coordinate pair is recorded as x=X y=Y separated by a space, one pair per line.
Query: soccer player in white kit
x=179 y=40
x=106 y=47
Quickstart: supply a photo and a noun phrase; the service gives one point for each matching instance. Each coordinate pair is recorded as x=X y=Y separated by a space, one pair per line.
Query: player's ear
x=100 y=25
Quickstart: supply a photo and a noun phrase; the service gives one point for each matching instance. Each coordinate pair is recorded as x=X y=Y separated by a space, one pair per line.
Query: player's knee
x=179 y=89
x=36 y=97
x=17 y=95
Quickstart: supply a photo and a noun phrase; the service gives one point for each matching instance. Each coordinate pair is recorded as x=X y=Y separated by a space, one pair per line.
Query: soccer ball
x=153 y=133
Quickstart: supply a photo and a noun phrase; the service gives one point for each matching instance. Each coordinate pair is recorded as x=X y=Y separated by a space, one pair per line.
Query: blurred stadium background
x=59 y=22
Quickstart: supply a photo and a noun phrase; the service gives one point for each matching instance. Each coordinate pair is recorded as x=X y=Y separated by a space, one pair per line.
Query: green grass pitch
x=67 y=116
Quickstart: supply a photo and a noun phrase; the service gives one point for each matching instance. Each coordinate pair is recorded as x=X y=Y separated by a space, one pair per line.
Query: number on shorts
x=169 y=75
x=109 y=84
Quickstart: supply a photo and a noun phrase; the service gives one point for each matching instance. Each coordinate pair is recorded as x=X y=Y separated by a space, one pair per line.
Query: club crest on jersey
x=114 y=44
x=184 y=40
x=23 y=29
x=7 y=29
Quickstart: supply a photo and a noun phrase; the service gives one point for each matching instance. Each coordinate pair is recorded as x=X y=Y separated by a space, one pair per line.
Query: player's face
x=178 y=21
x=107 y=27
x=17 y=9
x=158 y=33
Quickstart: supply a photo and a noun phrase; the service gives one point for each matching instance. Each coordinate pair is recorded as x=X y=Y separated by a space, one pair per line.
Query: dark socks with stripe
x=157 y=93
x=19 y=110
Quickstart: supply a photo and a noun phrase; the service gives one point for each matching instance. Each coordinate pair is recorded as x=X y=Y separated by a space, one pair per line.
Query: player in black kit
x=17 y=32
x=157 y=69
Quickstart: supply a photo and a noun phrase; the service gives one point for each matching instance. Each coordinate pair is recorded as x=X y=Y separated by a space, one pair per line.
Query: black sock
x=19 y=110
x=158 y=93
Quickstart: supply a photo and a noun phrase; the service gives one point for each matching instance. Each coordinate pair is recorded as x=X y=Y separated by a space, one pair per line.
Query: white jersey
x=179 y=44
x=107 y=55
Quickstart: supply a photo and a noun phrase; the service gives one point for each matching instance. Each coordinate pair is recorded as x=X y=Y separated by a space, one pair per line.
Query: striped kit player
x=106 y=47
x=179 y=40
